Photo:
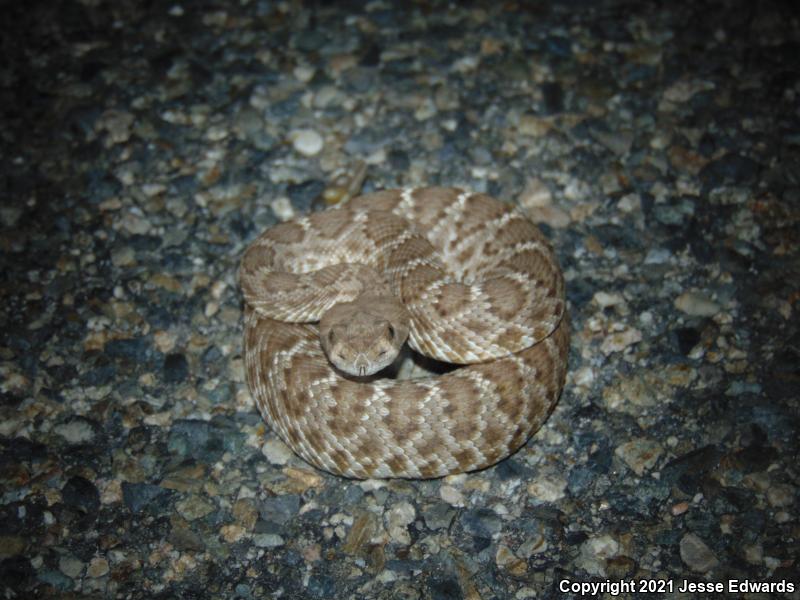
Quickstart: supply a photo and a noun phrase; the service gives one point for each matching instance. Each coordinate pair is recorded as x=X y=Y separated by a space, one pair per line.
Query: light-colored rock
x=194 y=507
x=547 y=489
x=640 y=454
x=98 y=567
x=781 y=495
x=630 y=203
x=76 y=432
x=617 y=341
x=535 y=195
x=135 y=224
x=282 y=207
x=605 y=299
x=276 y=452
x=268 y=540
x=397 y=520
x=754 y=554
x=452 y=495
x=306 y=141
x=595 y=552
x=70 y=566
x=696 y=555
x=304 y=73
x=508 y=561
x=696 y=304
x=123 y=257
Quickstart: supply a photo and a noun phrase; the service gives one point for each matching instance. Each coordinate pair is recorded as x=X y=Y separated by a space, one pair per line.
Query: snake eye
x=331 y=337
x=391 y=332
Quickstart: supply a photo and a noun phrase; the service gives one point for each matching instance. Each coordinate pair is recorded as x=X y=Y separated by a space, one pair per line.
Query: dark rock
x=398 y=160
x=309 y=40
x=754 y=458
x=513 y=469
x=730 y=500
x=176 y=368
x=580 y=478
x=365 y=142
x=303 y=194
x=15 y=572
x=201 y=440
x=553 y=97
x=704 y=524
x=731 y=168
x=321 y=586
x=444 y=589
x=686 y=338
x=482 y=522
x=438 y=516
x=371 y=56
x=23 y=449
x=101 y=372
x=141 y=496
x=353 y=495
x=697 y=462
x=138 y=438
x=558 y=46
x=56 y=579
x=186 y=540
x=279 y=509
x=645 y=499
x=135 y=350
x=81 y=493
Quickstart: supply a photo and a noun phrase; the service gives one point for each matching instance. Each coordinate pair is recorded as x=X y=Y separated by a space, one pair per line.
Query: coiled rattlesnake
x=478 y=285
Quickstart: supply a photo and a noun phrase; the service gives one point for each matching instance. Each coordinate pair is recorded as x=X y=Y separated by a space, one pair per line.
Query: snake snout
x=362 y=364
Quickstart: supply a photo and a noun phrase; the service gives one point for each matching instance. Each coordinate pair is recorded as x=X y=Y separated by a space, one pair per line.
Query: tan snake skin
x=482 y=286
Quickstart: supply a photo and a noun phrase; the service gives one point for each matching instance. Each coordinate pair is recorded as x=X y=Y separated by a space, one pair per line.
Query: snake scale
x=330 y=298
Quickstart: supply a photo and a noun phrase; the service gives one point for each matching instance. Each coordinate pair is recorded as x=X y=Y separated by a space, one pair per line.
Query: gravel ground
x=145 y=144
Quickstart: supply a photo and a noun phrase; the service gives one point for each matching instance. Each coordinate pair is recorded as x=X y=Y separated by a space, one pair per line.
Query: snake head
x=364 y=336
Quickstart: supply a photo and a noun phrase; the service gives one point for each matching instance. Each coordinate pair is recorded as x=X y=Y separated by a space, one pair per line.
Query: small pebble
x=657 y=256
x=607 y=299
x=679 y=508
x=630 y=203
x=304 y=73
x=781 y=495
x=619 y=340
x=640 y=454
x=508 y=561
x=194 y=507
x=268 y=540
x=397 y=520
x=594 y=553
x=98 y=567
x=123 y=257
x=547 y=489
x=451 y=495
x=754 y=554
x=282 y=207
x=77 y=431
x=306 y=141
x=696 y=304
x=696 y=555
x=70 y=566
x=276 y=452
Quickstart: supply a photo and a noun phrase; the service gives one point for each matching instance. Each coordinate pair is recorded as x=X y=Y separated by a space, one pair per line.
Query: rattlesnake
x=478 y=284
